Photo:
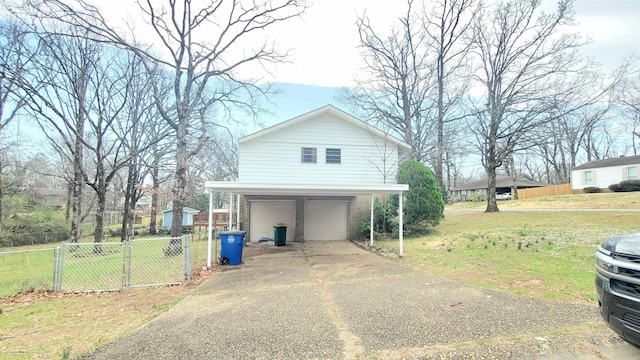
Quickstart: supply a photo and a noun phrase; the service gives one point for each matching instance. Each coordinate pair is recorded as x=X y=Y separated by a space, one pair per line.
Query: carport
x=323 y=200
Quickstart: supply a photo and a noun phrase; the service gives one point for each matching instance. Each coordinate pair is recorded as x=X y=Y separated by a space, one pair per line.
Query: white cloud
x=324 y=43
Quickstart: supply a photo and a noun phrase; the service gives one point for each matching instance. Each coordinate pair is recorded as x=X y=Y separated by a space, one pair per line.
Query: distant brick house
x=504 y=184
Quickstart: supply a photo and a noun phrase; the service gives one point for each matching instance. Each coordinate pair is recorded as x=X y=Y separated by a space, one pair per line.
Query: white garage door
x=265 y=213
x=326 y=220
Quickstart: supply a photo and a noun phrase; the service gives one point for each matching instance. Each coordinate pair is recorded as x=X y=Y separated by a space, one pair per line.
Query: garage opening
x=265 y=213
x=326 y=220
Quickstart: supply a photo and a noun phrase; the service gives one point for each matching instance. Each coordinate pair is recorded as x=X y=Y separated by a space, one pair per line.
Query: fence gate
x=119 y=265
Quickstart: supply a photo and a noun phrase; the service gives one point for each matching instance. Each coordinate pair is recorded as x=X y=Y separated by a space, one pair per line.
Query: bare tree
x=395 y=92
x=142 y=132
x=57 y=93
x=205 y=44
x=528 y=65
x=159 y=153
x=629 y=100
x=417 y=75
x=447 y=26
x=14 y=58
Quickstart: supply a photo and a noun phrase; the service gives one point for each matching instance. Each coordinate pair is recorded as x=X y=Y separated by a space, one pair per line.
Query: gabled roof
x=522 y=181
x=329 y=109
x=619 y=161
x=186 y=210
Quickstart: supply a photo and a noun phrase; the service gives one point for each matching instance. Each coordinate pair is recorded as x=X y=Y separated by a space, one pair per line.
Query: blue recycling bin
x=231 y=244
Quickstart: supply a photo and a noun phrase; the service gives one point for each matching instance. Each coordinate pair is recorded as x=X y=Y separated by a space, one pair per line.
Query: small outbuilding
x=187 y=217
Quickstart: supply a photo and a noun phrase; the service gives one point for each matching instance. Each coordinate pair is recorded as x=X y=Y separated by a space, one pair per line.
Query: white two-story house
x=310 y=171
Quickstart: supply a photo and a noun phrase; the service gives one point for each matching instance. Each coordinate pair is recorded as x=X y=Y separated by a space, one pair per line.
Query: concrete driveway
x=334 y=300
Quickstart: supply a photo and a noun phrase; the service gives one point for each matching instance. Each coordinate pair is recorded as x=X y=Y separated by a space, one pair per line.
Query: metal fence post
x=63 y=251
x=187 y=258
x=56 y=264
x=130 y=248
x=123 y=252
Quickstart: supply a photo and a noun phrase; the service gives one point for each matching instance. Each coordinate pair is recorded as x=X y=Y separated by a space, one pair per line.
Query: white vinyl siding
x=265 y=213
x=602 y=177
x=275 y=157
x=326 y=220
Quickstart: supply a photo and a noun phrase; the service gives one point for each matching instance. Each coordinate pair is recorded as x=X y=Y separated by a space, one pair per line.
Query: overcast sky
x=325 y=41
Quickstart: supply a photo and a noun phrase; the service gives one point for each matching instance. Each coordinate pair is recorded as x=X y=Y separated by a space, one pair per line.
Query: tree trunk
x=67 y=212
x=76 y=219
x=155 y=177
x=491 y=165
x=1 y=194
x=129 y=196
x=153 y=227
x=492 y=205
x=440 y=124
x=125 y=220
x=175 y=246
x=1 y=187
x=98 y=237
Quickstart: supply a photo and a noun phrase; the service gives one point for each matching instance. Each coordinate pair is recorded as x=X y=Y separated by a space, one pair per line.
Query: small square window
x=632 y=173
x=309 y=155
x=333 y=156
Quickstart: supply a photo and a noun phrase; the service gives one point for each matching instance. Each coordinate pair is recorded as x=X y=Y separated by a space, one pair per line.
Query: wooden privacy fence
x=562 y=189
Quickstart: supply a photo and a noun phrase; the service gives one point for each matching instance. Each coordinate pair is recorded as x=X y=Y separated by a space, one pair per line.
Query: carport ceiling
x=310 y=189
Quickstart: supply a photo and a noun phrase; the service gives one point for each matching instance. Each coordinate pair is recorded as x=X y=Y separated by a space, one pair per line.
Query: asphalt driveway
x=334 y=300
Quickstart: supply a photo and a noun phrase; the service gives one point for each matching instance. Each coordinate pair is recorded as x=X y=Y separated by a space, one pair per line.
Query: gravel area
x=335 y=300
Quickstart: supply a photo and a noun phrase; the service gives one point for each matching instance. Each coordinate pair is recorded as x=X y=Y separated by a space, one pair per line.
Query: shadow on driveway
x=334 y=300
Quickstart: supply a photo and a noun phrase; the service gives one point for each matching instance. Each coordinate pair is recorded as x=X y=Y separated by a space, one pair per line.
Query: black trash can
x=280 y=234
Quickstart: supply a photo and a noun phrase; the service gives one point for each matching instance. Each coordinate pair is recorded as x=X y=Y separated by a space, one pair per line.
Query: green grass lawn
x=32 y=267
x=26 y=270
x=537 y=253
x=545 y=254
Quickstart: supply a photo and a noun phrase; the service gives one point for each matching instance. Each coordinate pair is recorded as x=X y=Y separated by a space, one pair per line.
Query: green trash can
x=280 y=234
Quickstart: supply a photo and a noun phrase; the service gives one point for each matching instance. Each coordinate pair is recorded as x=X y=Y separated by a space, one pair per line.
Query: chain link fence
x=108 y=266
x=151 y=262
x=26 y=271
x=90 y=267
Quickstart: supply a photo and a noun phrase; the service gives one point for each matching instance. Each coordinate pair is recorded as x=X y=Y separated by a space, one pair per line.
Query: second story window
x=333 y=156
x=309 y=155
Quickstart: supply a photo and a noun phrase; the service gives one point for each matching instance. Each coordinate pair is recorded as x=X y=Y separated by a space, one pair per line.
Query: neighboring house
x=187 y=217
x=504 y=184
x=602 y=173
x=317 y=173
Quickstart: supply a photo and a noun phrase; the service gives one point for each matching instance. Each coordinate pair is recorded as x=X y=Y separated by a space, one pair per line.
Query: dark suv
x=618 y=284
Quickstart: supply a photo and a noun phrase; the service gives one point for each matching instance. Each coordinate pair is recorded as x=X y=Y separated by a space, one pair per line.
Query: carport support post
x=238 y=212
x=371 y=224
x=210 y=229
x=230 y=211
x=400 y=223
